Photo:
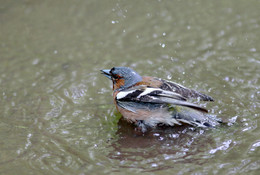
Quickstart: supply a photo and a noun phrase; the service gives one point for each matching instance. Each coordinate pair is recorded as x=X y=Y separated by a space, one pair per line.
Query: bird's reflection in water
x=178 y=144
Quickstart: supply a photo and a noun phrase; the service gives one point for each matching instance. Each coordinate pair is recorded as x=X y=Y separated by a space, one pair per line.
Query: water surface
x=57 y=114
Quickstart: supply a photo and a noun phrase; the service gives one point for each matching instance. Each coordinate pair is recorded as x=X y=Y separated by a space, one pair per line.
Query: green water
x=56 y=110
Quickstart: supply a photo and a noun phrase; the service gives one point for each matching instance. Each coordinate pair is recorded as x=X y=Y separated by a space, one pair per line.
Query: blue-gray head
x=122 y=77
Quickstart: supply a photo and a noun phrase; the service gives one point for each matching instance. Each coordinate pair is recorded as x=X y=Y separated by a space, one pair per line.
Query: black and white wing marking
x=155 y=95
x=185 y=92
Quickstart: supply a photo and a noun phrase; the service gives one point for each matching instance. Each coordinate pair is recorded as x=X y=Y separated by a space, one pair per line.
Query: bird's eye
x=116 y=76
x=113 y=74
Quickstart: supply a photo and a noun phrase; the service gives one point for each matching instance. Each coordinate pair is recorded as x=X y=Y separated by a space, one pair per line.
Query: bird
x=149 y=102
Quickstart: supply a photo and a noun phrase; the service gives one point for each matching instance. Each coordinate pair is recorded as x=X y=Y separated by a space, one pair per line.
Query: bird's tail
x=195 y=118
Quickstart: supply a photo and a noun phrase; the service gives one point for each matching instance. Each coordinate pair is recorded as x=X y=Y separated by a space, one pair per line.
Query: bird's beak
x=106 y=72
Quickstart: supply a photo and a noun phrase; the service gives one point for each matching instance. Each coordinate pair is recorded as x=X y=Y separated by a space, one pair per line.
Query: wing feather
x=146 y=94
x=185 y=92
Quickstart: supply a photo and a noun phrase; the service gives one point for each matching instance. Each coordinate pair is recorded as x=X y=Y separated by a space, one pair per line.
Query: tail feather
x=196 y=118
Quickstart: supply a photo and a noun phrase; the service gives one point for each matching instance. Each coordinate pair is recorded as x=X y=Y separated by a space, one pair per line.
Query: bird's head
x=122 y=77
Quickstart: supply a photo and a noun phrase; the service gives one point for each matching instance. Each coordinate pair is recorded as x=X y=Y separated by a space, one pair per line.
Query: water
x=57 y=115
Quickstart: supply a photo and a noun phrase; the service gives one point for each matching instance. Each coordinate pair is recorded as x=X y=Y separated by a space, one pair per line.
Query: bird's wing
x=183 y=91
x=147 y=94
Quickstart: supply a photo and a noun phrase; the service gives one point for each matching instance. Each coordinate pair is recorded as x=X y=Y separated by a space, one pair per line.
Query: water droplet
x=155 y=35
x=65 y=132
x=226 y=78
x=161 y=138
x=255 y=145
x=154 y=165
x=36 y=61
x=113 y=22
x=253 y=50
